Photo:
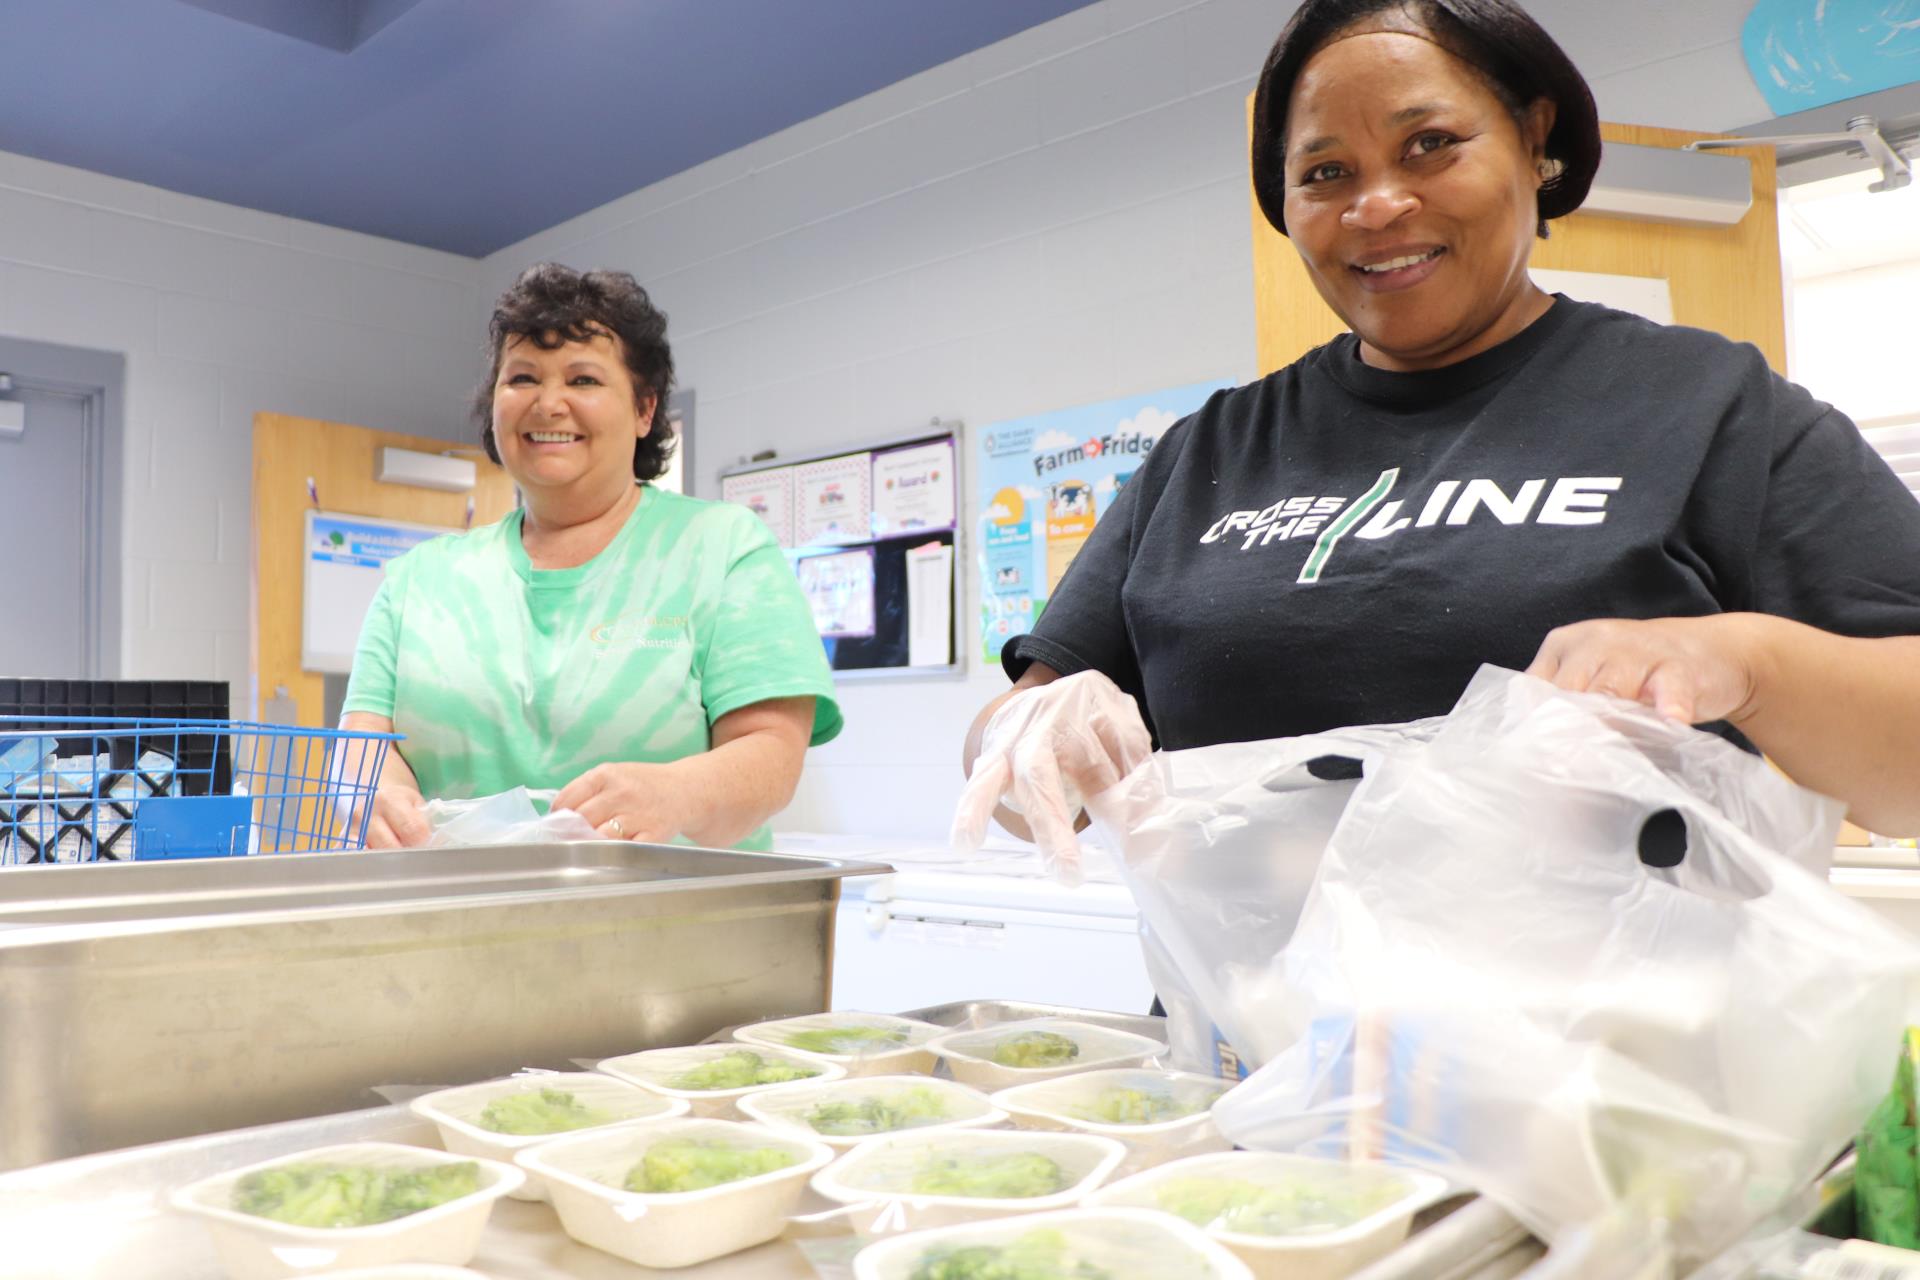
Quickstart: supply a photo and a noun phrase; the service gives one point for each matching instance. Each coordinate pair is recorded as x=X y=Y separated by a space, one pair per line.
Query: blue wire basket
x=102 y=789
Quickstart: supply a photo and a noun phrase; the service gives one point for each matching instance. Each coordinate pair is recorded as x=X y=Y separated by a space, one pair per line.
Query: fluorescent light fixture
x=425 y=470
x=13 y=420
x=1658 y=184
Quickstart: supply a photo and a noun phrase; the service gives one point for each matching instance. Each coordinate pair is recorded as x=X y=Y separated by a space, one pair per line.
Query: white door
x=50 y=607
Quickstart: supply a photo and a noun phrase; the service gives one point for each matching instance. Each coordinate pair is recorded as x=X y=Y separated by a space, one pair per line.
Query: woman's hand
x=1045 y=750
x=399 y=818
x=629 y=801
x=1694 y=670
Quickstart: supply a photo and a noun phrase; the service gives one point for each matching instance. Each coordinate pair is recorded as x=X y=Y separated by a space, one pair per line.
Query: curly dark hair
x=550 y=305
x=1519 y=60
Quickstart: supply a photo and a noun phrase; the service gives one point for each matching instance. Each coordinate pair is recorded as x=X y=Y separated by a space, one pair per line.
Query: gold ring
x=618 y=830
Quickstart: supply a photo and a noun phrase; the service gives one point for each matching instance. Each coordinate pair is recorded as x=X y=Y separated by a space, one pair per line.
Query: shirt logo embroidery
x=641 y=631
x=1572 y=500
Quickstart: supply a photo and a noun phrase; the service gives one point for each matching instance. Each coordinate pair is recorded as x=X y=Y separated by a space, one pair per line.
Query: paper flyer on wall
x=839 y=590
x=930 y=605
x=913 y=489
x=769 y=495
x=1045 y=481
x=832 y=500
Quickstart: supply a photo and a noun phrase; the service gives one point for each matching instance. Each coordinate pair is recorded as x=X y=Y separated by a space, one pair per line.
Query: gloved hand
x=1044 y=751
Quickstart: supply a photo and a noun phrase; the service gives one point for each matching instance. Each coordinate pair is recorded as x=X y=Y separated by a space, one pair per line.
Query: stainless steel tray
x=150 y=1001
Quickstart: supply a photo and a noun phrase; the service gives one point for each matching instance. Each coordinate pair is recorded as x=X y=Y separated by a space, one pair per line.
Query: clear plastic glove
x=1043 y=752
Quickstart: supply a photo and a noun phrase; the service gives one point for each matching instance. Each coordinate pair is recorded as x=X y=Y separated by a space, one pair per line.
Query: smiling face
x=1412 y=197
x=568 y=419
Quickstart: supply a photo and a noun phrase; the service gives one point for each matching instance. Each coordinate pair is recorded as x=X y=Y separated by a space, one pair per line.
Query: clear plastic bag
x=1578 y=956
x=1219 y=846
x=506 y=818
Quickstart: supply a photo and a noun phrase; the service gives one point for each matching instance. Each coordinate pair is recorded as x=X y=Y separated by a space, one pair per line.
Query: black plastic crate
x=204 y=759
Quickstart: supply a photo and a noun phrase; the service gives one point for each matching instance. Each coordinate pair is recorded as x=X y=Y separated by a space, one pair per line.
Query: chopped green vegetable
x=848 y=1040
x=1301 y=1205
x=908 y=1109
x=541 y=1111
x=1017 y=1175
x=1038 y=1255
x=1139 y=1106
x=340 y=1195
x=740 y=1069
x=1886 y=1180
x=687 y=1164
x=1036 y=1049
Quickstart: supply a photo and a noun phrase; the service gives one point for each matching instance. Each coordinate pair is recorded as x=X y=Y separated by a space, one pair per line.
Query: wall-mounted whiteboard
x=344 y=558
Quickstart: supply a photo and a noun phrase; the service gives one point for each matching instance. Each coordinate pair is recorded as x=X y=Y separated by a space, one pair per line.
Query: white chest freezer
x=939 y=931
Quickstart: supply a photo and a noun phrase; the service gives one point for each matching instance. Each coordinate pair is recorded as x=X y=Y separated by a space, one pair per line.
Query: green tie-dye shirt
x=502 y=675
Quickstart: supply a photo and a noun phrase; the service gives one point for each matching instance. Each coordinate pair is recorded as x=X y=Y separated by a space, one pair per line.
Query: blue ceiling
x=463 y=125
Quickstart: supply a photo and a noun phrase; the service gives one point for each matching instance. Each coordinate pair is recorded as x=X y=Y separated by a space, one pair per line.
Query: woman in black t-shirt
x=1478 y=472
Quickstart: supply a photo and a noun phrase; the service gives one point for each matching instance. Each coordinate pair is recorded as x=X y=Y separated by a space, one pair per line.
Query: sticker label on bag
x=1227 y=1062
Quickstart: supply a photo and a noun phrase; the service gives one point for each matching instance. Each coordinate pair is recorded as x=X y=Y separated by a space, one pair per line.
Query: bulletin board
x=871 y=534
x=345 y=559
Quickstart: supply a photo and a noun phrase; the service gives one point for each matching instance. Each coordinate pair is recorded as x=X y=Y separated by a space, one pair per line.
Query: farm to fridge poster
x=1045 y=481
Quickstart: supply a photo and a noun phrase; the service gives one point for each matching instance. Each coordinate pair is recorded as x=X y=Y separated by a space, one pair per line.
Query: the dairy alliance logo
x=642 y=631
x=1449 y=504
x=1116 y=444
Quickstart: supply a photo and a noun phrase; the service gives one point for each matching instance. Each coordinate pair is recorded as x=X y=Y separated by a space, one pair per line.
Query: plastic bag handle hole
x=1663 y=839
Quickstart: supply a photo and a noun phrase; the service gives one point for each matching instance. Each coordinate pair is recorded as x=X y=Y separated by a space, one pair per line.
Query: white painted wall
x=222 y=312
x=1059 y=218
x=1854 y=340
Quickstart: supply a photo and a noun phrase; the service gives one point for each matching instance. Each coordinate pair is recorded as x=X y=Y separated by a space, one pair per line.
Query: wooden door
x=341 y=460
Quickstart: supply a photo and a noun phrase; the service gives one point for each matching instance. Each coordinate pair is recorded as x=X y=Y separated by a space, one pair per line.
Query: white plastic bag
x=1489 y=978
x=1219 y=846
x=508 y=817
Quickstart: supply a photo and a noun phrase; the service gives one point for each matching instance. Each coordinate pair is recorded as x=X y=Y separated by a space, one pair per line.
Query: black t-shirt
x=1336 y=544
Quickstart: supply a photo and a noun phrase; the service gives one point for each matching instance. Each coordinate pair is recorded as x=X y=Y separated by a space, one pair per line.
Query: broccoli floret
x=1036 y=1049
x=847 y=1040
x=908 y=1109
x=1038 y=1255
x=1017 y=1175
x=1139 y=1106
x=739 y=1070
x=333 y=1195
x=1301 y=1205
x=686 y=1164
x=541 y=1111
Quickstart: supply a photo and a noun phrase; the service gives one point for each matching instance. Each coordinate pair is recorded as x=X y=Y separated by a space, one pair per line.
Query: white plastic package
x=1287 y=1217
x=864 y=1044
x=711 y=1078
x=1574 y=954
x=585 y=1176
x=1219 y=846
x=844 y=1113
x=256 y=1248
x=506 y=818
x=917 y=1180
x=1156 y=1115
x=1011 y=1053
x=1116 y=1244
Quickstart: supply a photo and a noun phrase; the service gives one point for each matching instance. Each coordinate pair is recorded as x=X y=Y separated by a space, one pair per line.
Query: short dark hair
x=550 y=305
x=1497 y=37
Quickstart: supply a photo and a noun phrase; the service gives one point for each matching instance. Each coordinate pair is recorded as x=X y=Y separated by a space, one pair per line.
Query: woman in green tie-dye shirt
x=648 y=655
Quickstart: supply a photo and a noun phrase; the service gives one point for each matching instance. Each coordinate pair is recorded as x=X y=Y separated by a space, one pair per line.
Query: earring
x=1549 y=168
